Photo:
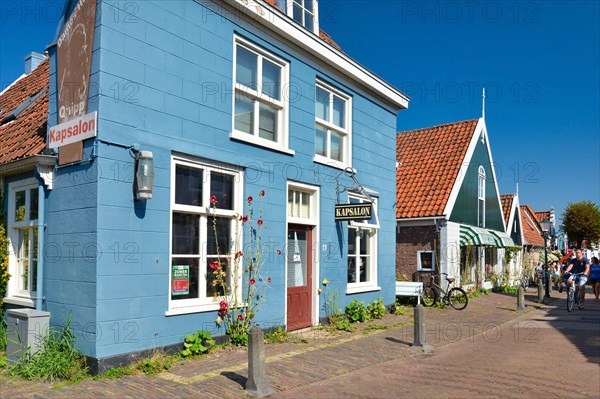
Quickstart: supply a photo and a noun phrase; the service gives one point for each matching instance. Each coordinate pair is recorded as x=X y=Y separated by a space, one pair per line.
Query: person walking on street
x=579 y=264
x=595 y=277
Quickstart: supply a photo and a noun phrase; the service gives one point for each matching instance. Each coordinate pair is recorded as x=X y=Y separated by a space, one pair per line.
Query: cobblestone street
x=487 y=350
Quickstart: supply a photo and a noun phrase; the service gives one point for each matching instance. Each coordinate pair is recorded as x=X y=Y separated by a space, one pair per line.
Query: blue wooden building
x=228 y=98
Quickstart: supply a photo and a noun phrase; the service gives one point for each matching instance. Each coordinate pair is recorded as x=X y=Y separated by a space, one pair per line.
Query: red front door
x=299 y=277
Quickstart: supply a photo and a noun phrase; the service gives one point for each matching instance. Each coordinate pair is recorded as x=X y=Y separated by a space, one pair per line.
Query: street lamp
x=546 y=226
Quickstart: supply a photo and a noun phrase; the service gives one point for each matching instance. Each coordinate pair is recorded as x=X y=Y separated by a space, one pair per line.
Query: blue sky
x=539 y=62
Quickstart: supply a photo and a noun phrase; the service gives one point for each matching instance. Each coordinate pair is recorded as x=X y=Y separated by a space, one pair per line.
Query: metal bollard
x=257 y=384
x=420 y=335
x=521 y=300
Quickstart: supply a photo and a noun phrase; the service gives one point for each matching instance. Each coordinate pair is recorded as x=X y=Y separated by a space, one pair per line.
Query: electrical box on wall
x=26 y=328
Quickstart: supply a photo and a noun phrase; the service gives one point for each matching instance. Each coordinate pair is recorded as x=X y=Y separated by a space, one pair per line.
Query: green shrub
x=57 y=358
x=197 y=344
x=117 y=372
x=239 y=339
x=398 y=309
x=3 y=332
x=341 y=323
x=2 y=361
x=155 y=365
x=357 y=312
x=277 y=336
x=376 y=309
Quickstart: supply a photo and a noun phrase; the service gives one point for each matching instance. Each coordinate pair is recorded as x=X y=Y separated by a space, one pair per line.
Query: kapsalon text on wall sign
x=72 y=131
x=353 y=211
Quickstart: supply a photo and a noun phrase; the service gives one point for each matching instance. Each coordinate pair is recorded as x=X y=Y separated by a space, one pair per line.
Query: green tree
x=581 y=221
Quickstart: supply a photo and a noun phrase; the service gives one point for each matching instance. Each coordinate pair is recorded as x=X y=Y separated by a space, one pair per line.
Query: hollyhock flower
x=223 y=305
x=259 y=222
x=325 y=281
x=269 y=280
x=279 y=252
x=214 y=265
x=262 y=193
x=240 y=317
x=219 y=320
x=252 y=281
x=213 y=199
x=239 y=254
x=250 y=200
x=243 y=219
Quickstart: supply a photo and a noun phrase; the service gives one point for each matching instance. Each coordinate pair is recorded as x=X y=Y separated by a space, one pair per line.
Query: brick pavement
x=487 y=350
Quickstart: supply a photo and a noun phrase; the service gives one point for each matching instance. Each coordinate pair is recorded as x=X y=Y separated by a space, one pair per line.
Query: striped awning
x=503 y=239
x=471 y=235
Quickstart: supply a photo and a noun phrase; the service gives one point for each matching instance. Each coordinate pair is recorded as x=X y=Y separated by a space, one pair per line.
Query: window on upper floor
x=260 y=106
x=332 y=126
x=481 y=197
x=305 y=12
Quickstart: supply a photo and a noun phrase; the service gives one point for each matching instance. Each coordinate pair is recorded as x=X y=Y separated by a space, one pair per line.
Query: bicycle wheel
x=570 y=299
x=458 y=298
x=429 y=296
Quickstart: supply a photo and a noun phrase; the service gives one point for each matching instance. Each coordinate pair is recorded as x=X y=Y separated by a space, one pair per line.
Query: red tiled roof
x=429 y=161
x=542 y=215
x=531 y=228
x=506 y=200
x=322 y=34
x=26 y=135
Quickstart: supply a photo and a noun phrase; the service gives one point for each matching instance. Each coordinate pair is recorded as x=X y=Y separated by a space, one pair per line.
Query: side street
x=480 y=351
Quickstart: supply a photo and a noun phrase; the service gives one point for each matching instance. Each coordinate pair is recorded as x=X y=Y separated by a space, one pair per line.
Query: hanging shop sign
x=72 y=131
x=180 y=280
x=74 y=60
x=362 y=211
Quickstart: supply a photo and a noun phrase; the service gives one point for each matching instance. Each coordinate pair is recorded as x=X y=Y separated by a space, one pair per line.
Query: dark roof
x=429 y=161
x=24 y=115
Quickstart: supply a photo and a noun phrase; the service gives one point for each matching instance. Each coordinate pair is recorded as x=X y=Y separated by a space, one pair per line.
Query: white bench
x=409 y=288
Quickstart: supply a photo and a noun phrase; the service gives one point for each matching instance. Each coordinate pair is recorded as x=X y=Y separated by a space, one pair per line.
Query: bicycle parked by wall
x=455 y=297
x=573 y=296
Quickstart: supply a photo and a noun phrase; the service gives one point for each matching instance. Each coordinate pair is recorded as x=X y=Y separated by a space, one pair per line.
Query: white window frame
x=345 y=133
x=290 y=12
x=481 y=196
x=419 y=265
x=282 y=129
x=15 y=294
x=371 y=232
x=202 y=303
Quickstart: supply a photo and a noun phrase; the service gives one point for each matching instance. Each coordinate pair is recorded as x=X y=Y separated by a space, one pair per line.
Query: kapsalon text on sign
x=77 y=129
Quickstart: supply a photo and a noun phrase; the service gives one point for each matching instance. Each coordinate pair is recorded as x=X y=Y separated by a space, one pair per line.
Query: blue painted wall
x=164 y=72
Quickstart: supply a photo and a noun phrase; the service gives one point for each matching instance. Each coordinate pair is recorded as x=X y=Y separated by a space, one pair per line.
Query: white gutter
x=26 y=164
x=280 y=24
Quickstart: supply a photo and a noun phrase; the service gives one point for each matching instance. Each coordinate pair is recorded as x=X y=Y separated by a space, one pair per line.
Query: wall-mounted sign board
x=362 y=211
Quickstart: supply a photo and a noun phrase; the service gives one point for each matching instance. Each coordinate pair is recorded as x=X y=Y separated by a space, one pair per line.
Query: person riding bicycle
x=579 y=264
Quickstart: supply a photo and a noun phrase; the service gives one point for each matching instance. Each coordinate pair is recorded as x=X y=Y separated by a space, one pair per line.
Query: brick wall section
x=410 y=240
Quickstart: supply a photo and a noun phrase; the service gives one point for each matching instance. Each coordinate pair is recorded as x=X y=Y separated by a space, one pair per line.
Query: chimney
x=32 y=60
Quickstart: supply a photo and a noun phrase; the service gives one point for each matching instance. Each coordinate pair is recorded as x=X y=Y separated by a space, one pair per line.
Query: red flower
x=243 y=219
x=223 y=305
x=279 y=252
x=239 y=254
x=259 y=222
x=252 y=281
x=214 y=265
x=222 y=312
x=240 y=317
x=269 y=280
x=249 y=200
x=262 y=193
x=213 y=199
